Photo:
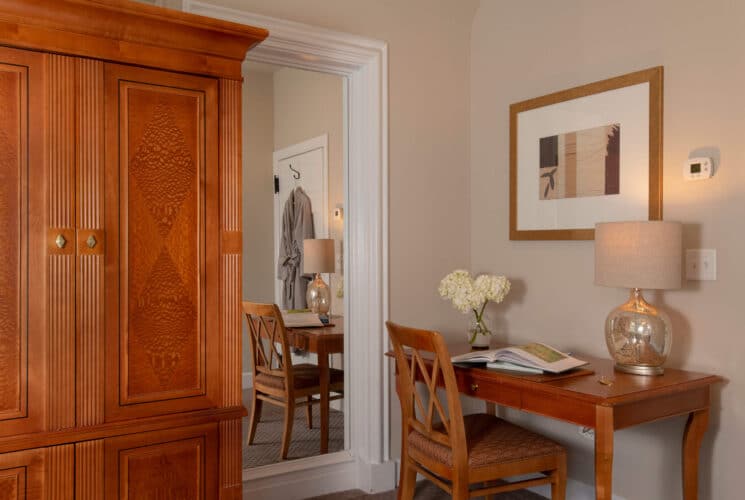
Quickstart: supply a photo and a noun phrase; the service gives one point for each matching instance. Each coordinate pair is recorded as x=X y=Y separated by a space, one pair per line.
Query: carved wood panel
x=22 y=475
x=174 y=464
x=162 y=237
x=13 y=483
x=22 y=342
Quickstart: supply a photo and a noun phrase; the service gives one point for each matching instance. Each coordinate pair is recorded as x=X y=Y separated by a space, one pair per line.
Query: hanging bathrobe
x=297 y=225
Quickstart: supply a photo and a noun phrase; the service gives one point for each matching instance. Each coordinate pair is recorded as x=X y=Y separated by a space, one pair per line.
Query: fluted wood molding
x=90 y=282
x=230 y=460
x=89 y=471
x=61 y=214
x=60 y=472
x=230 y=225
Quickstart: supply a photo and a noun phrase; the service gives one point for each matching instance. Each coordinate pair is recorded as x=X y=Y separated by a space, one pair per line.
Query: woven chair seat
x=305 y=375
x=490 y=441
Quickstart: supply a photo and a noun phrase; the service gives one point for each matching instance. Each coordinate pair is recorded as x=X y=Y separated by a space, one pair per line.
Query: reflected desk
x=629 y=400
x=322 y=341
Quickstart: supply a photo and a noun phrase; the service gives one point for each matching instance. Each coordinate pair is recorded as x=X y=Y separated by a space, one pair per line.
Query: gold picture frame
x=568 y=129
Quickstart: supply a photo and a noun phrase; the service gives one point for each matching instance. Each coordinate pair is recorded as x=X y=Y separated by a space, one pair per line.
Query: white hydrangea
x=492 y=288
x=458 y=287
x=468 y=294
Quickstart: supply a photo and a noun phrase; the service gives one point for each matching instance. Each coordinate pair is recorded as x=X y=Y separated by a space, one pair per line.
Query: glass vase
x=479 y=334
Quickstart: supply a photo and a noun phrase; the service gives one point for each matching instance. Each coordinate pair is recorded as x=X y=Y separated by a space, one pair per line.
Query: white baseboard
x=300 y=483
x=331 y=473
x=375 y=478
x=247 y=380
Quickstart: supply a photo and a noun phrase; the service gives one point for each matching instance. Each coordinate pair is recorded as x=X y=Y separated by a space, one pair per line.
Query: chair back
x=270 y=353
x=421 y=355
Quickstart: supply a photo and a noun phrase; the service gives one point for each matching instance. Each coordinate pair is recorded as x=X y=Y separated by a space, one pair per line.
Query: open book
x=529 y=358
x=301 y=319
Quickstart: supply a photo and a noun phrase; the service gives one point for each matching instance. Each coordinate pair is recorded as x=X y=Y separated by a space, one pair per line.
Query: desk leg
x=323 y=368
x=603 y=452
x=694 y=434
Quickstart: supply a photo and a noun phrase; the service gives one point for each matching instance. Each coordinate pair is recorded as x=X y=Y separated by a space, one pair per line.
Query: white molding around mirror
x=366 y=463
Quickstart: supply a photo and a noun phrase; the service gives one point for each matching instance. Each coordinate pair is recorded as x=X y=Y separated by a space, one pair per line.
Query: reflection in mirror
x=293 y=178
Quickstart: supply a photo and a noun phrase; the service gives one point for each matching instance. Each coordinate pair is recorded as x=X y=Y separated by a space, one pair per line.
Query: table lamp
x=318 y=257
x=637 y=255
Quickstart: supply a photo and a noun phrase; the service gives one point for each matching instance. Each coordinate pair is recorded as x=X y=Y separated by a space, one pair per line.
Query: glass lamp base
x=638 y=336
x=318 y=296
x=640 y=370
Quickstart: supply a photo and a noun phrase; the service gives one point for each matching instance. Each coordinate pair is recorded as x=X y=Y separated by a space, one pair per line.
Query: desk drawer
x=490 y=391
x=526 y=399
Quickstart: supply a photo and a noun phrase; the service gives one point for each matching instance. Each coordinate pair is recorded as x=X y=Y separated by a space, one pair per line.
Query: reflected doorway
x=293 y=141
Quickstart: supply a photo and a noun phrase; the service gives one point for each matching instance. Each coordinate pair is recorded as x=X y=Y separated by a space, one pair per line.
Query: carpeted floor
x=424 y=490
x=305 y=442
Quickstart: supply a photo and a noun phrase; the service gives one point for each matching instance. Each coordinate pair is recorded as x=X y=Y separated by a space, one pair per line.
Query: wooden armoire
x=120 y=251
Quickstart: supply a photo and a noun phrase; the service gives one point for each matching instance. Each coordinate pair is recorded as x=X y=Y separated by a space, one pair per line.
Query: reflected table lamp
x=318 y=257
x=638 y=255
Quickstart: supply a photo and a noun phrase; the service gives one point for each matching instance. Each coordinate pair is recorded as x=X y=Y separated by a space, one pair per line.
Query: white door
x=301 y=165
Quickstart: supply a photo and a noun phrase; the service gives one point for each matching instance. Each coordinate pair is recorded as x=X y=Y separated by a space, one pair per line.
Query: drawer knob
x=474 y=387
x=60 y=241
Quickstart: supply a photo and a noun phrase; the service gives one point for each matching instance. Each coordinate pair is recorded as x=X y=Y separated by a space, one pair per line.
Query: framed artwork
x=585 y=155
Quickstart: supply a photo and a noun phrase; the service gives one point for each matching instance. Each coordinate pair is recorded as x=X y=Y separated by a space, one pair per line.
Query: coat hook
x=296 y=175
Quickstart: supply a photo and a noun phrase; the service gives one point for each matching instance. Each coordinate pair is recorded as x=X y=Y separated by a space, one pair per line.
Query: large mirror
x=293 y=191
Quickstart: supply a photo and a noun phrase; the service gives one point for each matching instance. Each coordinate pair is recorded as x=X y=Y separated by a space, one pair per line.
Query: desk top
x=624 y=387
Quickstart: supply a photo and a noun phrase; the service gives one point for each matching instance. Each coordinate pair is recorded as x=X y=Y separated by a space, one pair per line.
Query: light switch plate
x=701 y=264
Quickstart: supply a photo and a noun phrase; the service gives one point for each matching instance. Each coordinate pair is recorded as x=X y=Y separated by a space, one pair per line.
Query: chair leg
x=460 y=489
x=287 y=434
x=559 y=483
x=407 y=481
x=254 y=418
x=309 y=412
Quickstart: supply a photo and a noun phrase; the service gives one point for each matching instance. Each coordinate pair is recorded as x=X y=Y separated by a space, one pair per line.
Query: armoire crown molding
x=364 y=63
x=130 y=32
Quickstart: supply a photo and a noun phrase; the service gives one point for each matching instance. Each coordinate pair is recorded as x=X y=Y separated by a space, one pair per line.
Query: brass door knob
x=474 y=387
x=60 y=241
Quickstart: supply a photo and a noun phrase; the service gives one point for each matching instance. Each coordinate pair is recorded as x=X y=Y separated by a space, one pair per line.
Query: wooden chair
x=459 y=451
x=275 y=379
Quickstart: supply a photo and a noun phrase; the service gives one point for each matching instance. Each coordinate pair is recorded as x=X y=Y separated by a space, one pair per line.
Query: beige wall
x=258 y=191
x=526 y=48
x=258 y=186
x=308 y=104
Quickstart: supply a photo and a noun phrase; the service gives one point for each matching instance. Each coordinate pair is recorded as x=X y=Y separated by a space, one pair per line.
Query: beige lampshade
x=640 y=254
x=318 y=256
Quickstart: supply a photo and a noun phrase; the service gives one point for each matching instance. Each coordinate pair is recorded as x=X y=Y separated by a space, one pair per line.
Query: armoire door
x=177 y=463
x=22 y=475
x=23 y=242
x=162 y=240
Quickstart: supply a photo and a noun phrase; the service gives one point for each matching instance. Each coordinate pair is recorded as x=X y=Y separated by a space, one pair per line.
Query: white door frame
x=364 y=63
x=320 y=142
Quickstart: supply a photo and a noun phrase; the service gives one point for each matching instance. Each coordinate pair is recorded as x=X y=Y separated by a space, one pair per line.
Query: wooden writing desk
x=323 y=342
x=630 y=400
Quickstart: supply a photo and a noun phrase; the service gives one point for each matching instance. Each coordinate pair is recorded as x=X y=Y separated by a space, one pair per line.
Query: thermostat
x=697 y=169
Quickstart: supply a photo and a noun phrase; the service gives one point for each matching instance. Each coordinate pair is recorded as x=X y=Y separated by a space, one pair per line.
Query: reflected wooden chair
x=457 y=452
x=275 y=379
